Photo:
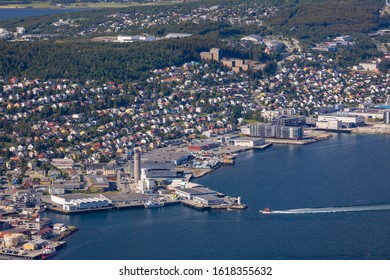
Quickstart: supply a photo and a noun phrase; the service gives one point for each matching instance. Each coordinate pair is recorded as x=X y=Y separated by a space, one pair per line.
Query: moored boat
x=153 y=204
x=48 y=252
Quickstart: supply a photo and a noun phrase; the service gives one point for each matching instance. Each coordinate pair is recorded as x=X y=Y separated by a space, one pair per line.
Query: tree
x=270 y=68
x=384 y=66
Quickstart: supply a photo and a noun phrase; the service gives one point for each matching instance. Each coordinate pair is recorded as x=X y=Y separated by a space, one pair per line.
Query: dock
x=202 y=207
x=341 y=130
x=291 y=141
x=14 y=254
x=263 y=147
x=141 y=205
x=62 y=211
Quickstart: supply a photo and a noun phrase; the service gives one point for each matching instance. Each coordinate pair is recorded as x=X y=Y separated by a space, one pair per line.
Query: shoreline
x=373 y=129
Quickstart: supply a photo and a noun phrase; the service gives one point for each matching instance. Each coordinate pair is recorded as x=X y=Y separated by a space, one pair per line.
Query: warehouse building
x=71 y=202
x=125 y=198
x=247 y=141
x=202 y=146
x=189 y=193
x=209 y=200
x=347 y=121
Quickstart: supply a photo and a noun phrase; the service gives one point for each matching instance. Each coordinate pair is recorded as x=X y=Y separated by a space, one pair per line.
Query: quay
x=14 y=254
x=342 y=130
x=56 y=209
x=121 y=206
x=290 y=141
x=228 y=205
x=262 y=147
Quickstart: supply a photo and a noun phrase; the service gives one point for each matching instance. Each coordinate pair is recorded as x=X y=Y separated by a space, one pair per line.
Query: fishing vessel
x=153 y=204
x=48 y=252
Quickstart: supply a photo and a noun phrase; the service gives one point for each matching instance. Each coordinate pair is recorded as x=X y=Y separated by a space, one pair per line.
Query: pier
x=228 y=205
x=19 y=253
x=56 y=209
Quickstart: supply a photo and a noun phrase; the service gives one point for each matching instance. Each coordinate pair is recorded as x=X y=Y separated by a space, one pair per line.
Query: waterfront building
x=247 y=141
x=209 y=200
x=273 y=131
x=165 y=156
x=260 y=130
x=225 y=139
x=146 y=185
x=202 y=146
x=189 y=193
x=79 y=201
x=346 y=120
x=330 y=124
x=125 y=198
x=160 y=172
x=286 y=132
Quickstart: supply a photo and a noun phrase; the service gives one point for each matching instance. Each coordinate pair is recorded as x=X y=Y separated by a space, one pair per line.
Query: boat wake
x=380 y=207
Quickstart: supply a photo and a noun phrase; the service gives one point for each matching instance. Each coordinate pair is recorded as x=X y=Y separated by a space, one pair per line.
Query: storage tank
x=20 y=236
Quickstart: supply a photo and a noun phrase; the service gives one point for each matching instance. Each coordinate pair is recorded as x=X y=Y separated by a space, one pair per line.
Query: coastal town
x=140 y=148
x=75 y=147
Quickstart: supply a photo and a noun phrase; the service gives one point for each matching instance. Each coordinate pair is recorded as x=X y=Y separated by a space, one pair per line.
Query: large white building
x=329 y=124
x=208 y=200
x=177 y=35
x=346 y=121
x=253 y=38
x=71 y=202
x=189 y=193
x=134 y=38
x=247 y=141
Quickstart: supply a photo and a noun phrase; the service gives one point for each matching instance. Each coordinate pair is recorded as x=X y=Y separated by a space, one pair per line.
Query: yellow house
x=30 y=246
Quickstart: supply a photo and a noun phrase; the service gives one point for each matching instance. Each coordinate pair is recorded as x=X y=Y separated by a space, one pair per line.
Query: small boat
x=48 y=252
x=153 y=204
x=265 y=211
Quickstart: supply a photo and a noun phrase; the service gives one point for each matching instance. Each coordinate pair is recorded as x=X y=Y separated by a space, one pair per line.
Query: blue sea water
x=22 y=13
x=345 y=171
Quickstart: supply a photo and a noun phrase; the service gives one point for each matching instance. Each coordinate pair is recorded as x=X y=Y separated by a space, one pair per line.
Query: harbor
x=20 y=253
x=151 y=180
x=23 y=246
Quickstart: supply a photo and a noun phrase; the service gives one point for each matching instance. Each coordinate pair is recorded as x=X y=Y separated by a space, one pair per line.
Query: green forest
x=99 y=61
x=313 y=20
